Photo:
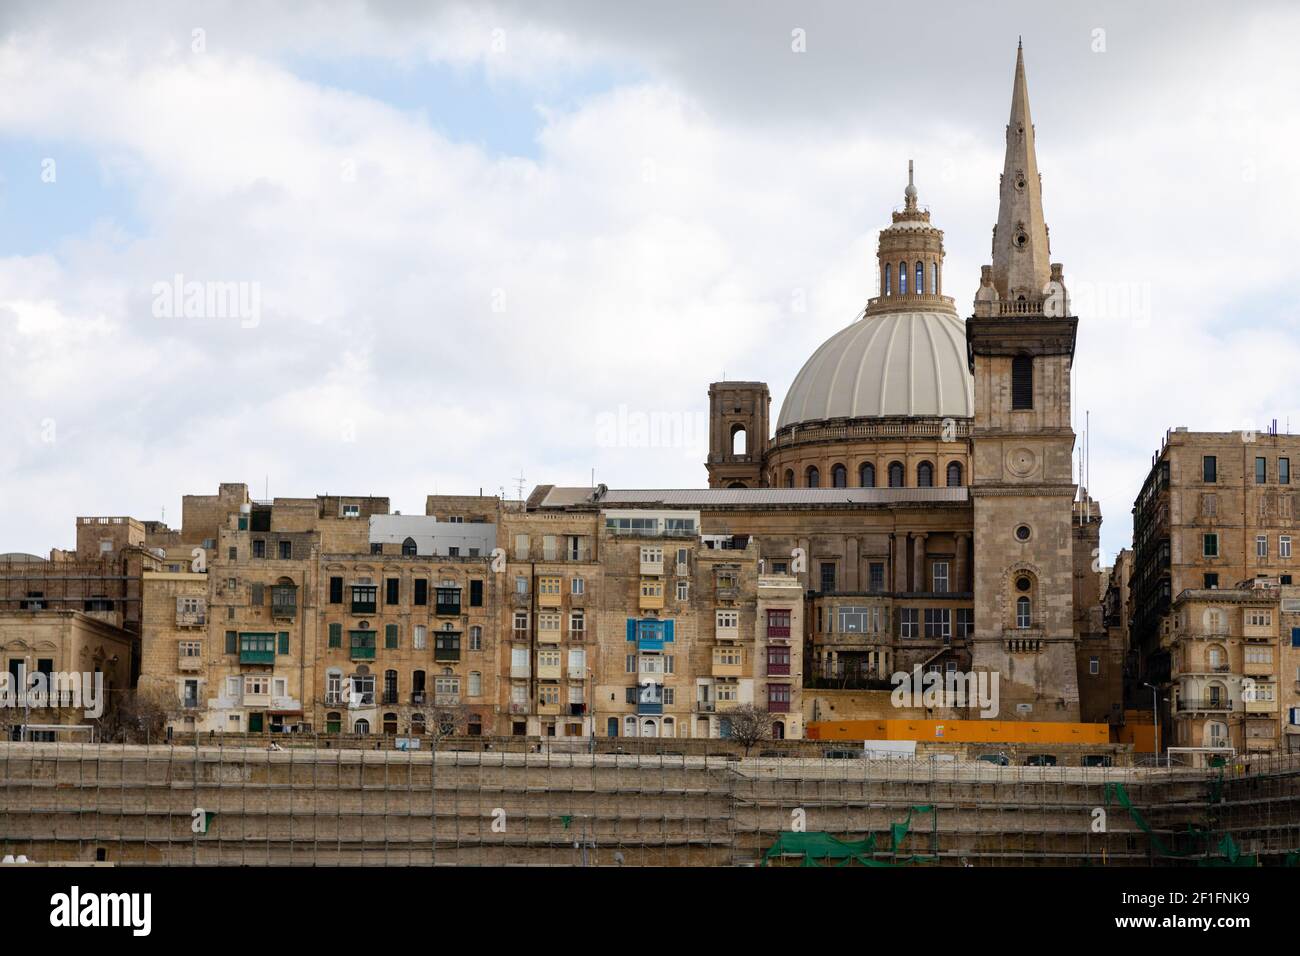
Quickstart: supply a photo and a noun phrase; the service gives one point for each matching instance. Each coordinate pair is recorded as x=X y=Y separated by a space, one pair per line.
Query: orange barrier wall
x=961 y=731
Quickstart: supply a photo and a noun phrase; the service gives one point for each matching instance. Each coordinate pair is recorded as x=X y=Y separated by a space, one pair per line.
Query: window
x=858 y=620
x=1211 y=581
x=629 y=665
x=336 y=635
x=839 y=477
x=286 y=550
x=232 y=642
x=814 y=477
x=1261 y=470
x=1210 y=469
x=920 y=277
x=940 y=575
x=476 y=593
x=390 y=636
x=934 y=278
x=1261 y=546
x=925 y=475
x=282 y=639
x=577 y=626
x=828 y=577
x=902 y=278
x=938 y=623
x=391 y=591
x=521 y=585
x=336 y=590
x=234 y=553
x=876 y=576
x=1094 y=665
x=577 y=586
x=352 y=511
x=1022 y=382
x=447 y=600
x=1284 y=471
x=446 y=645
x=521 y=625
x=789 y=478
x=1023 y=616
x=475 y=684
x=909 y=619
x=408 y=547
x=376 y=548
x=895 y=474
x=954 y=474
x=476 y=638
x=1210 y=545
x=1284 y=546
x=866 y=475
x=778 y=622
x=421 y=594
x=889 y=280
x=683 y=590
x=259 y=548
x=965 y=621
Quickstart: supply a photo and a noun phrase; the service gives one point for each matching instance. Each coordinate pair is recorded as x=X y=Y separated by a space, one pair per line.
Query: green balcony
x=257 y=648
x=362 y=645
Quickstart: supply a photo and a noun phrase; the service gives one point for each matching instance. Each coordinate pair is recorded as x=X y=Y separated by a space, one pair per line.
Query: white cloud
x=437 y=316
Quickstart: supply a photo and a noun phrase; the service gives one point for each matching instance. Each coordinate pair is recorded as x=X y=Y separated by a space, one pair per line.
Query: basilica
x=922 y=464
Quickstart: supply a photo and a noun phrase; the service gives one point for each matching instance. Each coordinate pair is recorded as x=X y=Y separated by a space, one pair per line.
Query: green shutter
x=284 y=642
x=336 y=635
x=232 y=642
x=390 y=635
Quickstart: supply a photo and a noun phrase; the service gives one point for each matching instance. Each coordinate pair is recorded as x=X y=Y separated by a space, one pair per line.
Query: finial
x=910 y=192
x=1020 y=43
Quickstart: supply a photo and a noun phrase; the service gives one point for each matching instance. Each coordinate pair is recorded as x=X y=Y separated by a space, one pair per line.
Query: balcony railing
x=778 y=670
x=362 y=653
x=251 y=656
x=778 y=630
x=446 y=700
x=189 y=618
x=363 y=607
x=706 y=706
x=778 y=707
x=518 y=708
x=1205 y=704
x=418 y=697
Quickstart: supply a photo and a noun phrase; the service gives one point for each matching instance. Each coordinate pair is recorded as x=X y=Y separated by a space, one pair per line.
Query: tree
x=447 y=720
x=137 y=716
x=749 y=726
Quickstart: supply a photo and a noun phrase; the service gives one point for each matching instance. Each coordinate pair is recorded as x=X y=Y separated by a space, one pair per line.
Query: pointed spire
x=909 y=194
x=1020 y=251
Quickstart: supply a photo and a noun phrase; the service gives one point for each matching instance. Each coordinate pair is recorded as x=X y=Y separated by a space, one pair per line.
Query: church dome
x=895 y=364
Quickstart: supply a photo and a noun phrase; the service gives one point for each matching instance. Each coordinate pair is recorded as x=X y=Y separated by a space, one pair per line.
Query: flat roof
x=561 y=497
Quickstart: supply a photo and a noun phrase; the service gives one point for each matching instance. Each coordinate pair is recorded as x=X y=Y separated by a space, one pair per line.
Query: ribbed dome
x=894 y=364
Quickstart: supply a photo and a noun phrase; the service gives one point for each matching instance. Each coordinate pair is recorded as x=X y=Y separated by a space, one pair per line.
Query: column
x=918 y=563
x=959 y=564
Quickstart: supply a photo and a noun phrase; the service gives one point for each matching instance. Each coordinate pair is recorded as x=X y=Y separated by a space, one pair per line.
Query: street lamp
x=1155 y=717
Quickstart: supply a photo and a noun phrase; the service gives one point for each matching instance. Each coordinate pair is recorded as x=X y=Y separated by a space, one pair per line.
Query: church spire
x=1020 y=248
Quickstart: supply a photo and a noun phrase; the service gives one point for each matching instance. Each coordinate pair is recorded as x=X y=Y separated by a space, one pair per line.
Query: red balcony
x=778 y=670
x=778 y=706
x=778 y=630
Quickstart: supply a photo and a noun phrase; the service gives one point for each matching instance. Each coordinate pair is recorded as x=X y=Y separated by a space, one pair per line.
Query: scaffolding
x=320 y=804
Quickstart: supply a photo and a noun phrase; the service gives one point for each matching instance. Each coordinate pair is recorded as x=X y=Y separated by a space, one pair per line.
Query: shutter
x=336 y=635
x=284 y=642
x=1295 y=637
x=257 y=597
x=232 y=642
x=668 y=630
x=631 y=629
x=390 y=635
x=1022 y=382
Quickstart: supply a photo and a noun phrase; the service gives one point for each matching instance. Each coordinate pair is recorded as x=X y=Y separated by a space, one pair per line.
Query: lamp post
x=1155 y=717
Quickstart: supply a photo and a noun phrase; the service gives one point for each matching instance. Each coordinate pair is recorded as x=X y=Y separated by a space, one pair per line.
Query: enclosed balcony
x=189 y=663
x=363 y=599
x=727 y=662
x=548 y=671
x=652 y=595
x=362 y=645
x=257 y=648
x=284 y=601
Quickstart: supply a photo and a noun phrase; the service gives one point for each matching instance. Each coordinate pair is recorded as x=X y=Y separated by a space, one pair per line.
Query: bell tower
x=738 y=434
x=1020 y=346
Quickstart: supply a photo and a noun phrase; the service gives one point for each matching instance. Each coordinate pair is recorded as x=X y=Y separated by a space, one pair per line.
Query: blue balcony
x=650 y=634
x=650 y=644
x=649 y=710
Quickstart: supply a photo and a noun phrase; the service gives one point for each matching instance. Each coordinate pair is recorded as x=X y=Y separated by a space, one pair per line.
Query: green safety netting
x=818 y=845
x=1194 y=843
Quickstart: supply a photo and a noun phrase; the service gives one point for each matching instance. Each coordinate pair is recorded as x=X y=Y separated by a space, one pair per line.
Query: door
x=254 y=723
x=611 y=728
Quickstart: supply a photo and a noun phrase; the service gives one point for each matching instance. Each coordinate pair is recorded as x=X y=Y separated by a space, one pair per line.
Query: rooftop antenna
x=519 y=484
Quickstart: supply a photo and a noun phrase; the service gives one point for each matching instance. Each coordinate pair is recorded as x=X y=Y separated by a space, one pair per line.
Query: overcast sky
x=477 y=242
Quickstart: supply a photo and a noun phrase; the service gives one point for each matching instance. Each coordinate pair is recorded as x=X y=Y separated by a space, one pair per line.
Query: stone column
x=899 y=568
x=918 y=563
x=960 y=564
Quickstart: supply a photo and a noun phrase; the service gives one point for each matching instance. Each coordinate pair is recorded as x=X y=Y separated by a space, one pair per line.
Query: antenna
x=519 y=484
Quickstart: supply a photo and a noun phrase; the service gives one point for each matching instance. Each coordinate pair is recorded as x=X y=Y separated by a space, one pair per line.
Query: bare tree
x=447 y=720
x=749 y=726
x=137 y=716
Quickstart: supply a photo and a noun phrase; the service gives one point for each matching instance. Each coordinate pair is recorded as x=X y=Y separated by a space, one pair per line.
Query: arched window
x=920 y=277
x=408 y=547
x=789 y=477
x=925 y=475
x=934 y=280
x=889 y=280
x=814 y=477
x=738 y=439
x=629 y=725
x=417 y=723
x=390 y=723
x=895 y=474
x=475 y=638
x=333 y=722
x=954 y=474
x=1023 y=615
x=778 y=730
x=839 y=477
x=866 y=475
x=1022 y=381
x=362 y=726
x=737 y=484
x=902 y=278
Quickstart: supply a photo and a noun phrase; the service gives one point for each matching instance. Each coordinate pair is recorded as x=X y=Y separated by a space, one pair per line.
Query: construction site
x=322 y=804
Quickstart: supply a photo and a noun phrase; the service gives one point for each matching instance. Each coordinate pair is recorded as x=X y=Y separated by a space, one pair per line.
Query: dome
x=891 y=364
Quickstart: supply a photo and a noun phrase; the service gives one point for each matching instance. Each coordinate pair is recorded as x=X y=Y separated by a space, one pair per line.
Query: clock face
x=1021 y=462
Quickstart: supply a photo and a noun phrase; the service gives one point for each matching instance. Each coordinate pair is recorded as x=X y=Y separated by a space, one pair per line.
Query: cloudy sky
x=473 y=243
